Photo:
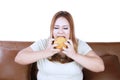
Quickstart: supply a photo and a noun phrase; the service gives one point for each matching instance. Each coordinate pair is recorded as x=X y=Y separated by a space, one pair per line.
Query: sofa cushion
x=112 y=70
x=9 y=70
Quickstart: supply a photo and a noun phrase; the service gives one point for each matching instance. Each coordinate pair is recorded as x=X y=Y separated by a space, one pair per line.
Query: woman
x=57 y=64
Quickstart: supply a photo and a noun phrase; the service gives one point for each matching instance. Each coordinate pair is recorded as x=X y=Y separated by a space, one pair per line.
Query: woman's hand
x=50 y=50
x=69 y=51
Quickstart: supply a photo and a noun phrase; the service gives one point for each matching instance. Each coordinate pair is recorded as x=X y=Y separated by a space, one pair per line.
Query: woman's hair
x=68 y=16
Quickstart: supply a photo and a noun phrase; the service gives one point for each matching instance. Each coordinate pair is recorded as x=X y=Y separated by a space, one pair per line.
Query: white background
x=29 y=20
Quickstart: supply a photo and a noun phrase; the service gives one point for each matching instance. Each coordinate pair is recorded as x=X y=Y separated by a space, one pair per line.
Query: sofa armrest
x=112 y=70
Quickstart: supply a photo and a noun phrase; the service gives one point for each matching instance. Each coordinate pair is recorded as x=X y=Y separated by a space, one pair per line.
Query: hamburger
x=60 y=41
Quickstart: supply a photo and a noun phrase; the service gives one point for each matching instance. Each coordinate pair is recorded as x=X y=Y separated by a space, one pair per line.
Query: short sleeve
x=39 y=45
x=83 y=47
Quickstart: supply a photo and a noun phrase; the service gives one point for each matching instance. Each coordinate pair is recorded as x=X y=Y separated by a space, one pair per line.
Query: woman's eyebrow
x=65 y=25
x=62 y=25
x=56 y=25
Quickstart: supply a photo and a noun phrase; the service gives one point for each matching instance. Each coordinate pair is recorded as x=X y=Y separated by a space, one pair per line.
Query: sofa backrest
x=106 y=48
x=9 y=70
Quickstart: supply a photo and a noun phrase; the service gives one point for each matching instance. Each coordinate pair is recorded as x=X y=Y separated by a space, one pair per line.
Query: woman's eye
x=65 y=28
x=55 y=28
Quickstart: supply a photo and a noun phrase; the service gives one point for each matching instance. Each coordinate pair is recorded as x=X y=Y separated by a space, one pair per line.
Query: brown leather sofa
x=9 y=70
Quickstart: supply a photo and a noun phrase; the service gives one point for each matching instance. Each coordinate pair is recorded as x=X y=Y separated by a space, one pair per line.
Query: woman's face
x=61 y=28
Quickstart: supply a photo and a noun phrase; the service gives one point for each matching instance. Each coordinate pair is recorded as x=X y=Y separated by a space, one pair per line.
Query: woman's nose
x=60 y=31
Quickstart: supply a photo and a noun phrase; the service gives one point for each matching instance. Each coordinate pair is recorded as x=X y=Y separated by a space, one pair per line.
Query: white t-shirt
x=48 y=70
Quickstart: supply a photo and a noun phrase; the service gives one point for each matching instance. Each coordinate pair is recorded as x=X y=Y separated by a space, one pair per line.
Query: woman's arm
x=28 y=56
x=91 y=61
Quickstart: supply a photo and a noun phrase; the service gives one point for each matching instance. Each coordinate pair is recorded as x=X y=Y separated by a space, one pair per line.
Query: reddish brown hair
x=68 y=16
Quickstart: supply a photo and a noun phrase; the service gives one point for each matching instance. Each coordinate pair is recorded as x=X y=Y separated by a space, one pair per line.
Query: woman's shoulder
x=41 y=41
x=39 y=44
x=80 y=41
